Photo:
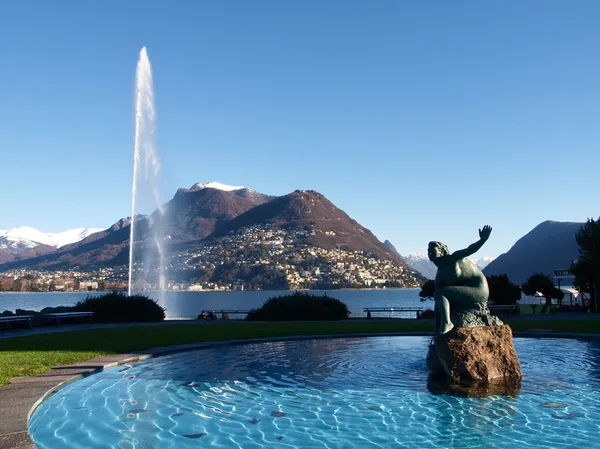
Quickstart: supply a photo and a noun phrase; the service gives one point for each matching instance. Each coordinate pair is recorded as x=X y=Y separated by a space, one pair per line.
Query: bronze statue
x=459 y=284
x=471 y=347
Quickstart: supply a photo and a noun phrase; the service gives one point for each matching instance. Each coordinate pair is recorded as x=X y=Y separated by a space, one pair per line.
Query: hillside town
x=258 y=257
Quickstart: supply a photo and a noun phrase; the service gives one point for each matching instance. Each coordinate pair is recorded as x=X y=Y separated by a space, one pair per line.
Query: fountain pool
x=325 y=393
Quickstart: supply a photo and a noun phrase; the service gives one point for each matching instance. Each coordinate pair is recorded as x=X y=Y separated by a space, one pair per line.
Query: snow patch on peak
x=483 y=262
x=32 y=237
x=417 y=256
x=216 y=185
x=423 y=265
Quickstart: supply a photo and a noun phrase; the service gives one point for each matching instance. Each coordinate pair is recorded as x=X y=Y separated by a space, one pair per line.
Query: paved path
x=23 y=332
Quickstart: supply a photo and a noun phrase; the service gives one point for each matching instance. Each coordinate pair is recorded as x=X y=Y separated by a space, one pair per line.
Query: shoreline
x=219 y=291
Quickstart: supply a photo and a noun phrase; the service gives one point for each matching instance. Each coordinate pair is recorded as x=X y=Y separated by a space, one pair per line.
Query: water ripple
x=327 y=394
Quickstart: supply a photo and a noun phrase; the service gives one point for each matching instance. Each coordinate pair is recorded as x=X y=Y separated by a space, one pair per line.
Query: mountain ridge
x=548 y=246
x=332 y=226
x=202 y=213
x=423 y=265
x=26 y=242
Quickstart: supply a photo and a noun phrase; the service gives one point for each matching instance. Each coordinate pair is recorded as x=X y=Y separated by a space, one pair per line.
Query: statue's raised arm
x=484 y=235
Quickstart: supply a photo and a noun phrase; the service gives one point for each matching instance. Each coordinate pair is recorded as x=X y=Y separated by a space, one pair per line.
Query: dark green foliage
x=22 y=312
x=541 y=283
x=427 y=313
x=502 y=291
x=583 y=270
x=587 y=267
x=427 y=290
x=116 y=307
x=57 y=309
x=300 y=307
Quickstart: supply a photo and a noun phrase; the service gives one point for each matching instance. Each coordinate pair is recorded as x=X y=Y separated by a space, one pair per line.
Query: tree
x=427 y=290
x=541 y=283
x=502 y=291
x=583 y=271
x=587 y=267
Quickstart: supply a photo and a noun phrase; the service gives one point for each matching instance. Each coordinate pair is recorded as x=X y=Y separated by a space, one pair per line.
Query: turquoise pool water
x=334 y=393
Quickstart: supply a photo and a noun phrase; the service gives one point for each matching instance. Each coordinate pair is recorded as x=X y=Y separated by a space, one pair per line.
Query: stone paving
x=25 y=332
x=21 y=396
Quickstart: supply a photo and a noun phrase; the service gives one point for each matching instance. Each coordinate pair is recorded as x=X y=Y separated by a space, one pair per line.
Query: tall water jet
x=146 y=264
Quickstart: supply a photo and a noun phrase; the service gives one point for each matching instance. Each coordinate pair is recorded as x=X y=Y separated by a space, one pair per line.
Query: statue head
x=436 y=250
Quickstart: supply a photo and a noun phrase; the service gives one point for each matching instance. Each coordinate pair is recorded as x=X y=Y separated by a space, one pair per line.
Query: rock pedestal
x=475 y=355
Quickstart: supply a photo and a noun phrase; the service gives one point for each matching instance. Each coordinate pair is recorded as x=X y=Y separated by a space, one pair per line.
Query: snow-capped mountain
x=216 y=185
x=31 y=237
x=483 y=261
x=423 y=265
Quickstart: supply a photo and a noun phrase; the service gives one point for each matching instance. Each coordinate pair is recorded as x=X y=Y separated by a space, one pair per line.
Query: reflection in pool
x=334 y=393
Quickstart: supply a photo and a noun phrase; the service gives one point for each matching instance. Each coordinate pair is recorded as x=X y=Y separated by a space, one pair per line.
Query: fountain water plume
x=145 y=193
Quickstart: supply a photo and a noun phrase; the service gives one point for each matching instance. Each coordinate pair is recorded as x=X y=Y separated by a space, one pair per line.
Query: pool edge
x=100 y=364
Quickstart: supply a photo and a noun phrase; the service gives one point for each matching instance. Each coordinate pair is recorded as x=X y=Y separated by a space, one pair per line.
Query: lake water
x=190 y=304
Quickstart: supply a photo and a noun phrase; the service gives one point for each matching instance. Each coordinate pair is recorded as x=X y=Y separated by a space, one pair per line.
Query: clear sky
x=421 y=119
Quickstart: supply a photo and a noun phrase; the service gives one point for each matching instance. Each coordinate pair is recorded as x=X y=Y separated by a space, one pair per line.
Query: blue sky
x=422 y=120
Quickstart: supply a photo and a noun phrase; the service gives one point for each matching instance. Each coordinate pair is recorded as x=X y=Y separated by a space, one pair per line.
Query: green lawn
x=27 y=356
x=578 y=326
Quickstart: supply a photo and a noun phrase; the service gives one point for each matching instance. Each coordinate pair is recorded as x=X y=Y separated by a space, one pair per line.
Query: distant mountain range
x=26 y=242
x=550 y=245
x=207 y=217
x=423 y=265
x=212 y=211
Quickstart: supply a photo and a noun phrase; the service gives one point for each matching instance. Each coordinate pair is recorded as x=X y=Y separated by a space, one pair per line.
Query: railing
x=392 y=310
x=62 y=315
x=15 y=318
x=224 y=313
x=503 y=308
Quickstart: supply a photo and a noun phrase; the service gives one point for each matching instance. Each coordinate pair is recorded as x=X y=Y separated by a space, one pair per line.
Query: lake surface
x=190 y=304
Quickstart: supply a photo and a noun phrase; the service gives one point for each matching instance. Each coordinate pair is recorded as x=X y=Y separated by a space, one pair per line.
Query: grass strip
x=32 y=355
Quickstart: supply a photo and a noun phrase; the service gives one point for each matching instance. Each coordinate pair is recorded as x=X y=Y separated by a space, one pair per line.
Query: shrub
x=427 y=290
x=300 y=307
x=427 y=314
x=116 y=307
x=57 y=309
x=25 y=312
x=502 y=291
